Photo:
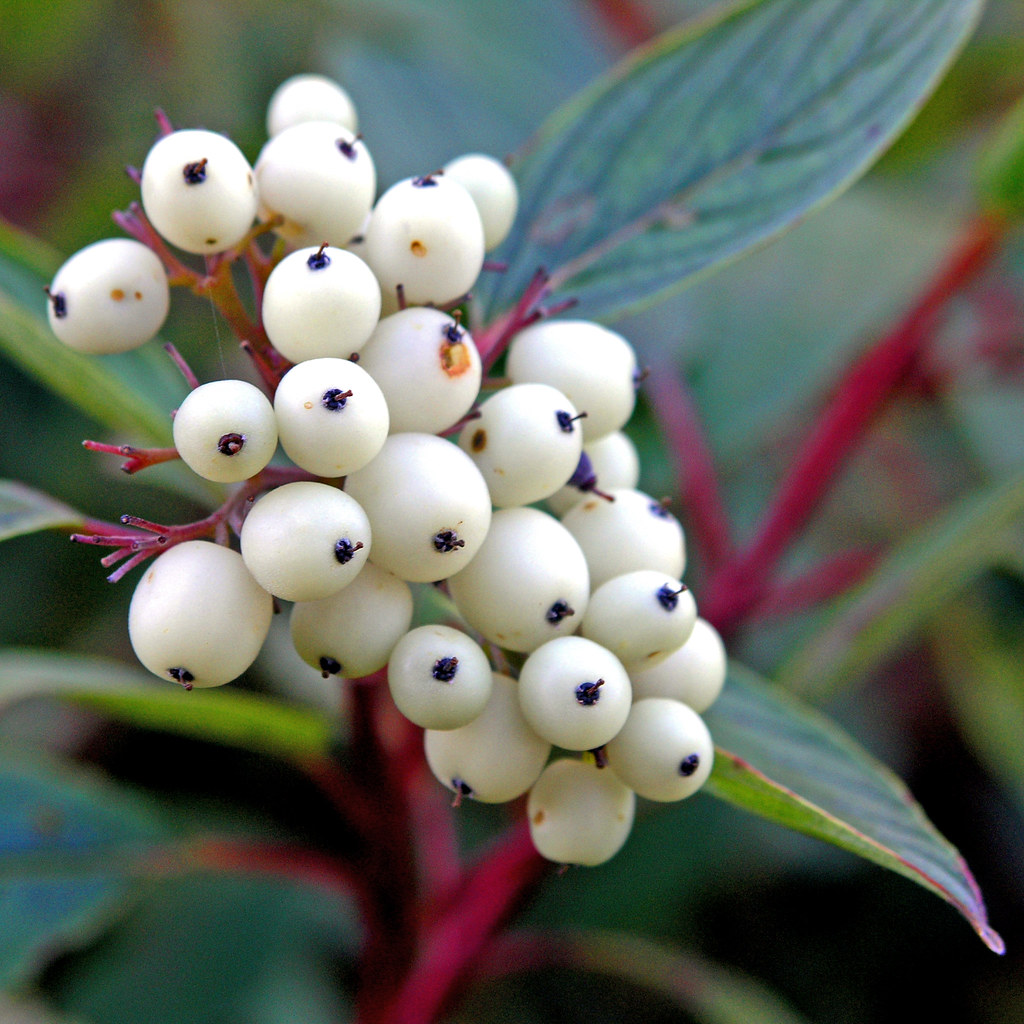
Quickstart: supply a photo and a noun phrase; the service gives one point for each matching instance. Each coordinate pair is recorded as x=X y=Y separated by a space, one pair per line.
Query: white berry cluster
x=571 y=628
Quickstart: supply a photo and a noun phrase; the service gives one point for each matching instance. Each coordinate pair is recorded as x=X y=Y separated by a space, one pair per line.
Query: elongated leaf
x=25 y=510
x=230 y=717
x=68 y=849
x=786 y=762
x=715 y=138
x=876 y=618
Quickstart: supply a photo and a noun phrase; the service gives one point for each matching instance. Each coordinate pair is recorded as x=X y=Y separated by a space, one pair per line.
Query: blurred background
x=760 y=344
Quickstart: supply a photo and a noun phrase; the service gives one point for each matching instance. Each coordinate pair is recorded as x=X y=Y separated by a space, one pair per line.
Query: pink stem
x=138 y=458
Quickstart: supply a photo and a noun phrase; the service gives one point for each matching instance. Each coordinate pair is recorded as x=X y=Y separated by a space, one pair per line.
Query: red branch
x=740 y=584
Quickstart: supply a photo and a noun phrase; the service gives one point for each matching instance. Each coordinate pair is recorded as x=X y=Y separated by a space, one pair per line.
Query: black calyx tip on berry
x=444 y=669
x=558 y=611
x=584 y=478
x=588 y=694
x=454 y=331
x=462 y=788
x=600 y=756
x=426 y=180
x=319 y=259
x=660 y=509
x=640 y=375
x=565 y=422
x=335 y=399
x=195 y=172
x=231 y=444
x=329 y=666
x=59 y=302
x=347 y=148
x=345 y=550
x=669 y=598
x=689 y=765
x=182 y=675
x=447 y=540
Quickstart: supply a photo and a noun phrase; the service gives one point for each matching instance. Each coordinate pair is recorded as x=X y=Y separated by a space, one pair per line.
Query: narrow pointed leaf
x=716 y=137
x=26 y=510
x=788 y=763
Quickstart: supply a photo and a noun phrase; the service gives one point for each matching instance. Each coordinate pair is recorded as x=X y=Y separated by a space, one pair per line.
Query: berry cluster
x=406 y=465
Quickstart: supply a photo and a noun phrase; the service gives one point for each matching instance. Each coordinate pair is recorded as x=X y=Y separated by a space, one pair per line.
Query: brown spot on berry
x=478 y=442
x=138 y=296
x=455 y=358
x=117 y=295
x=417 y=248
x=538 y=818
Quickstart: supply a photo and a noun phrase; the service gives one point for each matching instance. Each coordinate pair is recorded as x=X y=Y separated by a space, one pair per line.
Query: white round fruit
x=494 y=758
x=309 y=98
x=574 y=693
x=226 y=430
x=694 y=673
x=527 y=584
x=111 y=296
x=305 y=540
x=197 y=616
x=579 y=813
x=199 y=191
x=320 y=178
x=664 y=751
x=493 y=189
x=320 y=301
x=594 y=367
x=427 y=503
x=332 y=418
x=439 y=677
x=352 y=633
x=427 y=367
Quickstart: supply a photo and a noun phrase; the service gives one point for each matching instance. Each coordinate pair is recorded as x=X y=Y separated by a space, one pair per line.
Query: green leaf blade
x=785 y=762
x=716 y=138
x=26 y=510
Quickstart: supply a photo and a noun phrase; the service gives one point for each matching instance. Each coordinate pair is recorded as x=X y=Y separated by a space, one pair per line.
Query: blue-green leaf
x=25 y=510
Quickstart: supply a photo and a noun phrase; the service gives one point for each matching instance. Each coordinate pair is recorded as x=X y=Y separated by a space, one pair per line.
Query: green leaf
x=876 y=618
x=1001 y=168
x=715 y=138
x=25 y=510
x=229 y=717
x=68 y=849
x=786 y=762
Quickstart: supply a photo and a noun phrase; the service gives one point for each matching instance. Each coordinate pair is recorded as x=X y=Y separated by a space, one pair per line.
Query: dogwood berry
x=694 y=673
x=309 y=98
x=493 y=189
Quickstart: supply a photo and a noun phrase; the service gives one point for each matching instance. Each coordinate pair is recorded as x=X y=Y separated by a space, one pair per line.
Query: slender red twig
x=740 y=584
x=135 y=458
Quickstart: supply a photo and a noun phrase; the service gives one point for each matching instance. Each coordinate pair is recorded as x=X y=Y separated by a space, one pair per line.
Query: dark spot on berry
x=195 y=172
x=689 y=765
x=426 y=180
x=600 y=755
x=59 y=302
x=347 y=148
x=447 y=540
x=454 y=331
x=329 y=666
x=588 y=694
x=660 y=510
x=565 y=421
x=538 y=818
x=319 y=259
x=117 y=294
x=640 y=375
x=558 y=611
x=231 y=444
x=478 y=442
x=444 y=669
x=417 y=248
x=584 y=476
x=138 y=296
x=183 y=676
x=335 y=399
x=669 y=598
x=461 y=789
x=345 y=550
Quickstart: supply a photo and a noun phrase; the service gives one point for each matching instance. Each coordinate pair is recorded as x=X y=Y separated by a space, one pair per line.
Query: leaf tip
x=991 y=938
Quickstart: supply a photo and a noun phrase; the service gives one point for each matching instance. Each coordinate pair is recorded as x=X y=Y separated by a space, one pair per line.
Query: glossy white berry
x=494 y=758
x=320 y=178
x=439 y=677
x=426 y=235
x=426 y=365
x=641 y=617
x=309 y=98
x=493 y=189
x=305 y=540
x=694 y=673
x=611 y=461
x=664 y=751
x=109 y=297
x=527 y=584
x=526 y=442
x=574 y=692
x=579 y=813
x=199 y=191
x=593 y=366
x=226 y=430
x=632 y=531
x=331 y=416
x=352 y=633
x=197 y=616
x=428 y=505
x=320 y=302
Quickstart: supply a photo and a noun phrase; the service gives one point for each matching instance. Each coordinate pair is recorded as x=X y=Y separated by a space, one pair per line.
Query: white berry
x=694 y=673
x=493 y=189
x=309 y=98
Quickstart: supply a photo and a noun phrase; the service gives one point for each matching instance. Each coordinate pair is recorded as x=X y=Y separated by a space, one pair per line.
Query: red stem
x=733 y=591
x=699 y=490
